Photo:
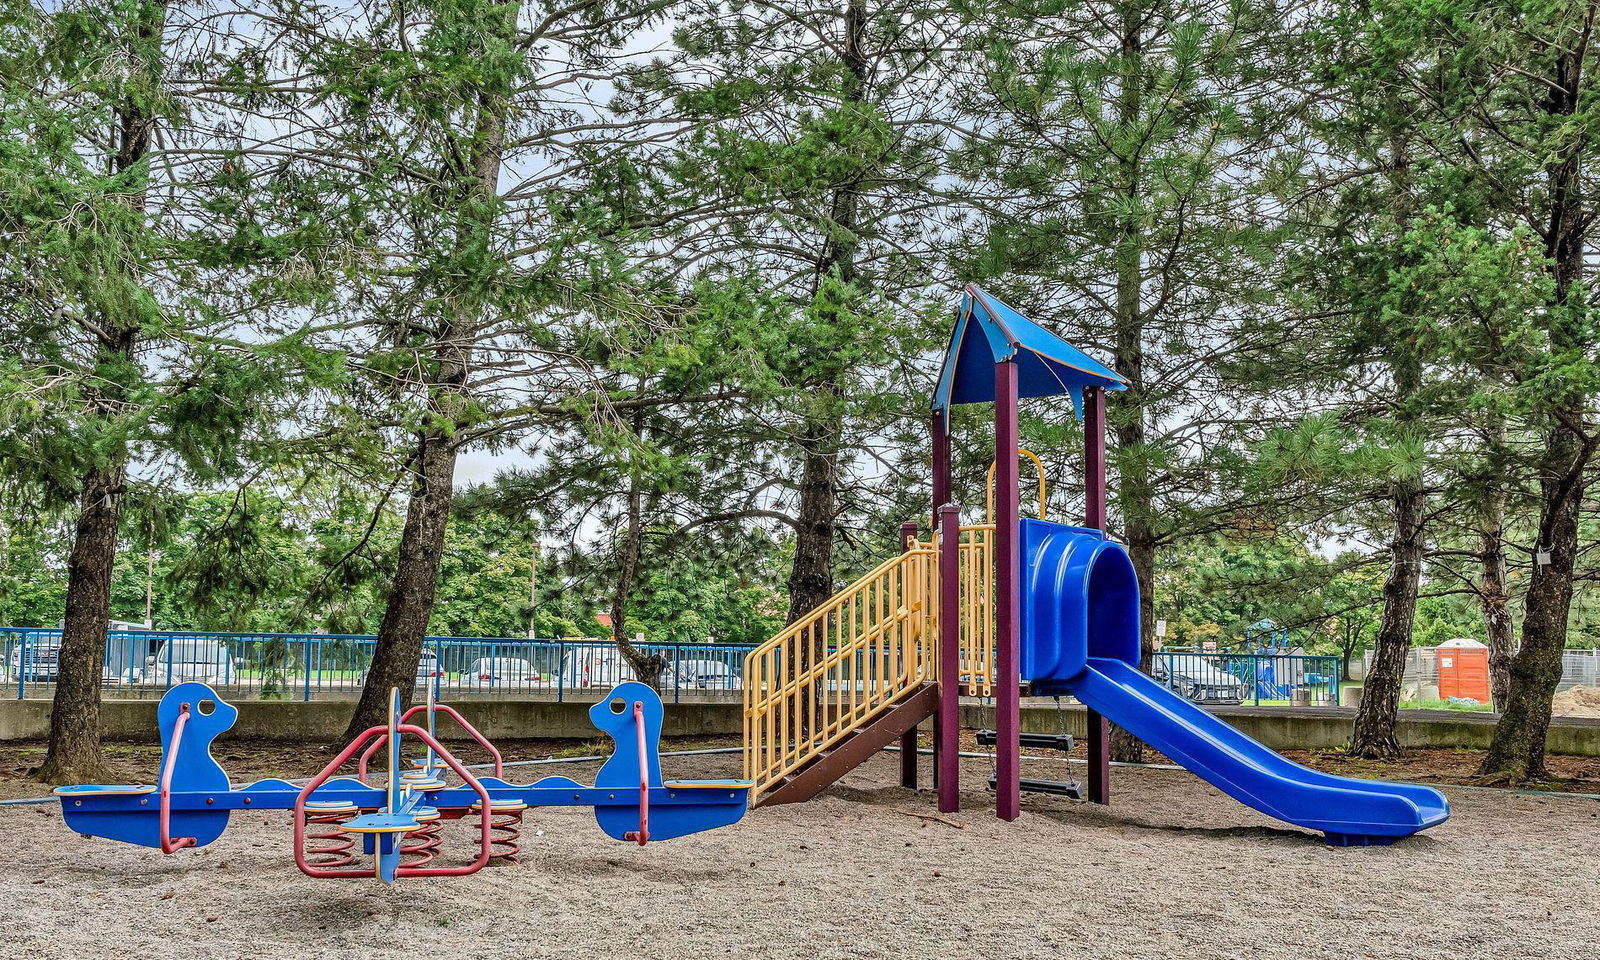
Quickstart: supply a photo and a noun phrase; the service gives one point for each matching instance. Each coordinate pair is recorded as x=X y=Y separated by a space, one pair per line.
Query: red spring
x=422 y=844
x=328 y=846
x=505 y=837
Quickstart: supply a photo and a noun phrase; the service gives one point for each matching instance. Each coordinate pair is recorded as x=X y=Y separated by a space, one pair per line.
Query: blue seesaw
x=399 y=823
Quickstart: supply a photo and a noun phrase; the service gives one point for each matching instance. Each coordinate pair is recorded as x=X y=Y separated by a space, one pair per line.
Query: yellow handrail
x=1038 y=466
x=975 y=627
x=868 y=646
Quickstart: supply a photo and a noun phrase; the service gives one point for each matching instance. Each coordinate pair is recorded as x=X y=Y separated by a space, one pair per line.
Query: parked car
x=35 y=660
x=708 y=675
x=184 y=659
x=602 y=666
x=1200 y=678
x=496 y=672
x=427 y=669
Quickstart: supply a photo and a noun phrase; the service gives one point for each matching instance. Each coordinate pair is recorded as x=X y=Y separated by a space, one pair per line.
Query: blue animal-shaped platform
x=395 y=823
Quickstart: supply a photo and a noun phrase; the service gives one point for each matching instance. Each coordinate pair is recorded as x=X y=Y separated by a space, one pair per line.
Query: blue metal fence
x=1250 y=678
x=299 y=666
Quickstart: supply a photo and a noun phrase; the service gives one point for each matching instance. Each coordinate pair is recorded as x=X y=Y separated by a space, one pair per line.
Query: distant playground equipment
x=985 y=608
x=398 y=822
x=1278 y=670
x=1267 y=640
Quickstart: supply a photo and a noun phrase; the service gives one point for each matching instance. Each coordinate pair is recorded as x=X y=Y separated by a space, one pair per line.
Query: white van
x=181 y=659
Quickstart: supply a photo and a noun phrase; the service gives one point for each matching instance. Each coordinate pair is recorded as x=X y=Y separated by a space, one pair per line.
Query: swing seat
x=1058 y=788
x=1032 y=741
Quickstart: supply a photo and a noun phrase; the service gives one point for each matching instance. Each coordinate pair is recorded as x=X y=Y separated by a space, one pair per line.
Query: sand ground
x=1172 y=869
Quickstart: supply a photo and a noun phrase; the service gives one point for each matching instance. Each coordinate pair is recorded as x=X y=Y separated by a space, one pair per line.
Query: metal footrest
x=1033 y=741
x=1059 y=788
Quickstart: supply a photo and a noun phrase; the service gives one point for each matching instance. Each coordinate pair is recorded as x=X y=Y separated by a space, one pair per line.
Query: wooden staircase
x=880 y=730
x=862 y=670
x=843 y=681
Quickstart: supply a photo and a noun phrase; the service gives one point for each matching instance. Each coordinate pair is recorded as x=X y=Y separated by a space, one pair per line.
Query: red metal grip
x=643 y=833
x=480 y=739
x=168 y=843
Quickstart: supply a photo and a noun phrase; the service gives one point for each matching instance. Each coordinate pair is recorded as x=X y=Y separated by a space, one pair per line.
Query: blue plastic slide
x=1080 y=636
x=1348 y=810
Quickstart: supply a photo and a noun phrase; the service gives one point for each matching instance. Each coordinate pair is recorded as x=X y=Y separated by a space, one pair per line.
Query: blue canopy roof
x=988 y=332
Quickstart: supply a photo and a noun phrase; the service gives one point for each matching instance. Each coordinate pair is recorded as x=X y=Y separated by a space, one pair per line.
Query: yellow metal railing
x=872 y=644
x=975 y=625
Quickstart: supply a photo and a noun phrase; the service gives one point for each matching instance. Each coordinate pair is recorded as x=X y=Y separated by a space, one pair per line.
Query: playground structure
x=981 y=609
x=984 y=609
x=399 y=822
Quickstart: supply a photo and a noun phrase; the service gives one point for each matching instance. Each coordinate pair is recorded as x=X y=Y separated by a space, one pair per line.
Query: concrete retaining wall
x=1282 y=728
x=1326 y=728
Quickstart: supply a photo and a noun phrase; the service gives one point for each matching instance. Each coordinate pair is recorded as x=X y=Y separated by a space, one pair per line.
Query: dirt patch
x=1577 y=702
x=1567 y=774
x=1172 y=869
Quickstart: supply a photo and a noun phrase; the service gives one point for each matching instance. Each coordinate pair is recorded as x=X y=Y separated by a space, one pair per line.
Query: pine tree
x=1127 y=158
x=799 y=183
x=1503 y=96
x=122 y=302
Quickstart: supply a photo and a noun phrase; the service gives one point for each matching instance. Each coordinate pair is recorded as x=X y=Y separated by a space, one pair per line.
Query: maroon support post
x=941 y=463
x=1008 y=578
x=908 y=740
x=947 y=722
x=1094 y=489
x=941 y=497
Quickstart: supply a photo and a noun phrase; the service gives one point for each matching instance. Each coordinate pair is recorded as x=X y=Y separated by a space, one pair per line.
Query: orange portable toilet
x=1464 y=670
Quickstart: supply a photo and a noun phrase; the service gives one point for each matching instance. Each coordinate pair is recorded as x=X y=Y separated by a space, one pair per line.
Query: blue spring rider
x=398 y=823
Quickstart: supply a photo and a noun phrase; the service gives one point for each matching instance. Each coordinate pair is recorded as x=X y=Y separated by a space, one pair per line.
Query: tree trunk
x=74 y=750
x=1374 y=733
x=416 y=582
x=410 y=603
x=1135 y=493
x=646 y=666
x=1347 y=649
x=73 y=754
x=1516 y=754
x=1373 y=736
x=1493 y=599
x=811 y=574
